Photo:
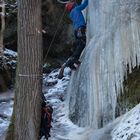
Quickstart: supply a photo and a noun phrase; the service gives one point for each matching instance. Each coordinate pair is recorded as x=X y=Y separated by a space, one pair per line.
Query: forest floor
x=54 y=90
x=6 y=108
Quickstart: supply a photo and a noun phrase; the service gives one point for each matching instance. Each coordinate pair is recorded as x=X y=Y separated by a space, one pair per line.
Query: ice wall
x=113 y=46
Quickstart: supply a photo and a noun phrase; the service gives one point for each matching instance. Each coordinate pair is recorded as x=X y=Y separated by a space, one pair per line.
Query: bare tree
x=2 y=14
x=27 y=103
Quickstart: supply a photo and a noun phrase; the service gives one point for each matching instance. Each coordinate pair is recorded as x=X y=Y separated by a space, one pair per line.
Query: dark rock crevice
x=131 y=95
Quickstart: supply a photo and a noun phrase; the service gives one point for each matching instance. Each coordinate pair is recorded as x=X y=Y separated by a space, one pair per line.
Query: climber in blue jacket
x=76 y=14
x=79 y=27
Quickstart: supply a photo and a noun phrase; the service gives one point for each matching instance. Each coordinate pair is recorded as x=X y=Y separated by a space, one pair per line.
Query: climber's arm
x=83 y=5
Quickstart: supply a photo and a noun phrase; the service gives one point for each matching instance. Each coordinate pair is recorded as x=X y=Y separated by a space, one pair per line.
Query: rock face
x=131 y=93
x=10 y=36
x=113 y=50
x=57 y=31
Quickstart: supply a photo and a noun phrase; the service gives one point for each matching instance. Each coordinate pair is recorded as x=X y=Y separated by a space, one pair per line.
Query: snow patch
x=129 y=127
x=10 y=52
x=63 y=128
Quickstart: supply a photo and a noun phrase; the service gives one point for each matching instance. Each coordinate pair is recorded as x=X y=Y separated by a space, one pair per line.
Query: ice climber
x=79 y=27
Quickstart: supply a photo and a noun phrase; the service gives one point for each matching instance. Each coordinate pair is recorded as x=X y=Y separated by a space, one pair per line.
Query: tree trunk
x=2 y=6
x=27 y=105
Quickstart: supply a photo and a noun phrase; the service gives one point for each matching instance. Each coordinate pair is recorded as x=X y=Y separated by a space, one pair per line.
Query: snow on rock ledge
x=126 y=127
x=129 y=127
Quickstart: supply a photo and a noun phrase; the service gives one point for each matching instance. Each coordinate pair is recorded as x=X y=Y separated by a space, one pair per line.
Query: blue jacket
x=77 y=16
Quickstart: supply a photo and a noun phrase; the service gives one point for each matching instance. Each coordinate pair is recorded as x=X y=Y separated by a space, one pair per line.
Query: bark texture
x=2 y=3
x=29 y=72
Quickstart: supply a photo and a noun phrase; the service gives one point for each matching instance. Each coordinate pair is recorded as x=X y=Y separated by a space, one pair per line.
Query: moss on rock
x=131 y=95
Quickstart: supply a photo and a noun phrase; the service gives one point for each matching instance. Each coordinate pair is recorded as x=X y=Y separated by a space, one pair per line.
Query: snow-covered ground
x=9 y=59
x=63 y=129
x=126 y=127
x=6 y=108
x=129 y=126
x=10 y=53
x=55 y=93
x=54 y=90
x=6 y=98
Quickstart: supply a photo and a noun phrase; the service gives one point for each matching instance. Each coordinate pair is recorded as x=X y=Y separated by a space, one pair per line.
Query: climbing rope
x=57 y=28
x=54 y=35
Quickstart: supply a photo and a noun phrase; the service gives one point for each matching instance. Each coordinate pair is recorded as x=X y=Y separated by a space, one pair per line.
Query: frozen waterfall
x=112 y=49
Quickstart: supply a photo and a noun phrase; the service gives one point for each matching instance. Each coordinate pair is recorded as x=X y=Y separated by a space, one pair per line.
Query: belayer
x=46 y=119
x=79 y=27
